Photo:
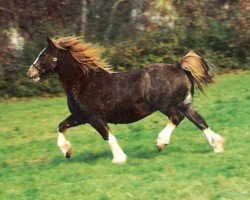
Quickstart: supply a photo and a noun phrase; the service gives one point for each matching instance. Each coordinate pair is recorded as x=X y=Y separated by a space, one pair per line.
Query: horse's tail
x=200 y=70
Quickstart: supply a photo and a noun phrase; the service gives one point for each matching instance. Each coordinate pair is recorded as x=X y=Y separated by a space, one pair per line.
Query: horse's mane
x=86 y=56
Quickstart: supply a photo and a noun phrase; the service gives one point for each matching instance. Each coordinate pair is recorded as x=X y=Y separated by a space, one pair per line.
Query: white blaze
x=38 y=56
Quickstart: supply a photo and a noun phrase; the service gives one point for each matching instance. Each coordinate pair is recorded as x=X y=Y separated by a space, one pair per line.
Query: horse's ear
x=50 y=43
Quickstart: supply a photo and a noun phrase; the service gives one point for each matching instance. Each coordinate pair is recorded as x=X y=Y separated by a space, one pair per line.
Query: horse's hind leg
x=175 y=117
x=215 y=140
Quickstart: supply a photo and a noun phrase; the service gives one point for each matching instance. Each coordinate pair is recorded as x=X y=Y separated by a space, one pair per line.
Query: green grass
x=32 y=167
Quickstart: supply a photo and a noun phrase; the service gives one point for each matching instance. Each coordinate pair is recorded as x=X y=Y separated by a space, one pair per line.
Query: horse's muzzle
x=33 y=73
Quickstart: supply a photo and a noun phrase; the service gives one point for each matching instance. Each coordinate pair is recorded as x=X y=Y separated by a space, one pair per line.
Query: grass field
x=32 y=167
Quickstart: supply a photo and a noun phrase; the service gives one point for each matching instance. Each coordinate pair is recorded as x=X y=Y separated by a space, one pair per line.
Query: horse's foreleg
x=119 y=157
x=164 y=136
x=175 y=117
x=62 y=143
x=214 y=139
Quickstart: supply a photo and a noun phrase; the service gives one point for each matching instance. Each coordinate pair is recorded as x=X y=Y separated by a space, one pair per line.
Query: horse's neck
x=71 y=77
x=74 y=81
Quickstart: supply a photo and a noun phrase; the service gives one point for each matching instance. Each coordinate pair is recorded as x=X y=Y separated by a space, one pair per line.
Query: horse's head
x=45 y=63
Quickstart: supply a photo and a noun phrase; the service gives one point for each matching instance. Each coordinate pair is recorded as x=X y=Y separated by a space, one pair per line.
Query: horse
x=98 y=96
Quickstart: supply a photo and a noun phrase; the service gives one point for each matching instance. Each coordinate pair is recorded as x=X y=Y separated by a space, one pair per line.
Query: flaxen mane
x=86 y=55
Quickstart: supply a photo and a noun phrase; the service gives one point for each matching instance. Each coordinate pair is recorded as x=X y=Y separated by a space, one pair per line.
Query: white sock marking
x=63 y=144
x=215 y=140
x=165 y=134
x=119 y=156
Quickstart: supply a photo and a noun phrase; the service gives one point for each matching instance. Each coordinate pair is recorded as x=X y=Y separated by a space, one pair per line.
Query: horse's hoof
x=218 y=150
x=161 y=147
x=68 y=154
x=218 y=146
x=120 y=161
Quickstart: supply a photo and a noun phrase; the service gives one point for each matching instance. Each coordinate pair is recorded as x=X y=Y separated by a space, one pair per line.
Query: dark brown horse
x=97 y=96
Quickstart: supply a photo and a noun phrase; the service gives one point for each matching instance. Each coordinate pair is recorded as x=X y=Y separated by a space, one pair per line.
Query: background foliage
x=134 y=32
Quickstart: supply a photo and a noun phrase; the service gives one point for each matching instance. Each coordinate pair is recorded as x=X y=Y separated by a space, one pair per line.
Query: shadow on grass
x=151 y=153
x=85 y=157
x=89 y=157
x=92 y=157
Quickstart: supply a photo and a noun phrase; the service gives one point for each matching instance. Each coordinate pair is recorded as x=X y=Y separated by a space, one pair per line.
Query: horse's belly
x=128 y=114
